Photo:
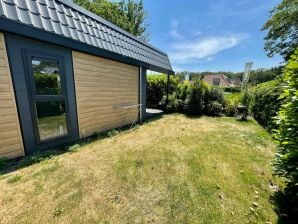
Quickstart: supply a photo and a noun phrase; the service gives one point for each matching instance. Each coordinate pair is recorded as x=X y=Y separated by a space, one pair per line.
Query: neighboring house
x=99 y=82
x=221 y=80
x=217 y=80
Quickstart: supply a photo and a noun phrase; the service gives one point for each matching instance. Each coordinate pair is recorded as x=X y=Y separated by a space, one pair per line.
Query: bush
x=157 y=88
x=214 y=108
x=287 y=134
x=195 y=101
x=172 y=105
x=231 y=102
x=214 y=101
x=265 y=103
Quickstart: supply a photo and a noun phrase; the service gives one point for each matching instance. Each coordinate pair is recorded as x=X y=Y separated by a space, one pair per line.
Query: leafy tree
x=127 y=14
x=287 y=133
x=282 y=29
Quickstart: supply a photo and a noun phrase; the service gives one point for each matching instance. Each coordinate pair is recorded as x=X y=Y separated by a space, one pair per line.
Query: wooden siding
x=11 y=144
x=102 y=87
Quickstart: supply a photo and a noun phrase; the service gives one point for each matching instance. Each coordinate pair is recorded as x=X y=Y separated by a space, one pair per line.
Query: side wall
x=107 y=93
x=11 y=144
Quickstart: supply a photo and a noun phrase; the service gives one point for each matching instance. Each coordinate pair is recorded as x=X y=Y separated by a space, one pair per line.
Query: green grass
x=173 y=170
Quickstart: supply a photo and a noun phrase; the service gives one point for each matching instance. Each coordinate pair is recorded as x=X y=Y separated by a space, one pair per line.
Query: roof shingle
x=71 y=21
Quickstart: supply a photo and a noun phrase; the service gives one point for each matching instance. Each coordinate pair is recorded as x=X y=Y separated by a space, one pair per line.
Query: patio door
x=45 y=92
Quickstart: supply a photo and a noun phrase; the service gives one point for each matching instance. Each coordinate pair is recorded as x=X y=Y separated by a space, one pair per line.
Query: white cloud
x=174 y=30
x=202 y=49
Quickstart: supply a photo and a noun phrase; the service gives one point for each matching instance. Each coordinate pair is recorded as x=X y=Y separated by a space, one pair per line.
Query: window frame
x=28 y=55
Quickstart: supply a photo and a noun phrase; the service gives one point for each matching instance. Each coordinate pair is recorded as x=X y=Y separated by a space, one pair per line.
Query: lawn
x=172 y=170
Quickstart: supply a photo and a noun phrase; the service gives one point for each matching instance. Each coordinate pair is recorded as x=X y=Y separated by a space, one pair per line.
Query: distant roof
x=71 y=22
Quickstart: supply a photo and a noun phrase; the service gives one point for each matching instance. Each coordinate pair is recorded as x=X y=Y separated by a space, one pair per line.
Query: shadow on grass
x=8 y=166
x=286 y=206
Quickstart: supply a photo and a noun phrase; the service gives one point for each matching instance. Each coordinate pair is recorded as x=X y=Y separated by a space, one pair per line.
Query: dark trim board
x=16 y=45
x=37 y=34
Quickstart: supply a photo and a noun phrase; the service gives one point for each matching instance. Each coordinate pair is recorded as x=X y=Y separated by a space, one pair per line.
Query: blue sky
x=210 y=35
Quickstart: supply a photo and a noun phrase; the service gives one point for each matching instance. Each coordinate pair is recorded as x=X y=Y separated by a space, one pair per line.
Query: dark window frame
x=28 y=55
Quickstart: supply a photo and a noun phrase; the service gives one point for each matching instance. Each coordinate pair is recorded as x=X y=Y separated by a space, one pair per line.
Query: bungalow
x=66 y=73
x=221 y=80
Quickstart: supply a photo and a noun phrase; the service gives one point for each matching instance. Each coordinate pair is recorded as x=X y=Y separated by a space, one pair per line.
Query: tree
x=282 y=29
x=126 y=14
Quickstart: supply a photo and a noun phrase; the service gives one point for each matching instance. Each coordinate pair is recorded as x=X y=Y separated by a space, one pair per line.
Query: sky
x=211 y=35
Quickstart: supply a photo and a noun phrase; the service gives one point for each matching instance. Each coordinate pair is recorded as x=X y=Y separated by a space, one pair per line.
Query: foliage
x=265 y=103
x=3 y=162
x=74 y=148
x=232 y=100
x=172 y=105
x=127 y=14
x=256 y=76
x=264 y=75
x=195 y=101
x=47 y=84
x=287 y=134
x=214 y=101
x=282 y=29
x=214 y=93
x=213 y=108
x=157 y=88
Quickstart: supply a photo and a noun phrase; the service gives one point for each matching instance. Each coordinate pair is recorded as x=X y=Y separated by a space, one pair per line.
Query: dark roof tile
x=64 y=18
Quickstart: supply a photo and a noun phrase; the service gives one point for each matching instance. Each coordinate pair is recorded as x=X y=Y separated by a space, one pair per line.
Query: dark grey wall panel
x=15 y=45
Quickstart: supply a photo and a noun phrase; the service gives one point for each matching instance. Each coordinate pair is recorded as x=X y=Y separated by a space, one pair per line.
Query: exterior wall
x=209 y=80
x=103 y=88
x=11 y=144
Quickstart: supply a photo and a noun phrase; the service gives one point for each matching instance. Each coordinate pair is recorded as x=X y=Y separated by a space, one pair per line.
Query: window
x=46 y=76
x=51 y=119
x=48 y=98
x=216 y=81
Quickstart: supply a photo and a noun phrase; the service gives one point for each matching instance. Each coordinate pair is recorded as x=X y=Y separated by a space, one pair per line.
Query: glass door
x=48 y=97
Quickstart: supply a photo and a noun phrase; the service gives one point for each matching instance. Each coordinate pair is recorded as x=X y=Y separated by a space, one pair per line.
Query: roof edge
x=107 y=23
x=18 y=28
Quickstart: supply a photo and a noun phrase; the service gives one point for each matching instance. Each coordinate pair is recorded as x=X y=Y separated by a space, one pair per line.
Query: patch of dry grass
x=173 y=170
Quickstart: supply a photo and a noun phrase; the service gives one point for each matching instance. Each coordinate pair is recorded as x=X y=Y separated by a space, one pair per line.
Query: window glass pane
x=47 y=76
x=51 y=119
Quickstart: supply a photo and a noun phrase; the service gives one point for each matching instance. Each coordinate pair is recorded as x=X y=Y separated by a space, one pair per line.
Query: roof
x=208 y=78
x=65 y=23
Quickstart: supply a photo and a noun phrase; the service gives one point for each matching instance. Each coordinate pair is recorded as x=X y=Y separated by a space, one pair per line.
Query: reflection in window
x=51 y=119
x=46 y=76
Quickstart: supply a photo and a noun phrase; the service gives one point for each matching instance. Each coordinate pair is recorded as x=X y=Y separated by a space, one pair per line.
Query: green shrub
x=214 y=101
x=213 y=108
x=265 y=103
x=170 y=106
x=231 y=102
x=214 y=93
x=157 y=88
x=286 y=136
x=195 y=101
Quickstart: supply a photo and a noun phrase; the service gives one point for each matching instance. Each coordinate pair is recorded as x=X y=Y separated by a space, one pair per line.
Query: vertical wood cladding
x=11 y=144
x=106 y=93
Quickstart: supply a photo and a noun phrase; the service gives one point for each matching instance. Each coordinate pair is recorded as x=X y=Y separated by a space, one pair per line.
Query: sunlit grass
x=173 y=170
